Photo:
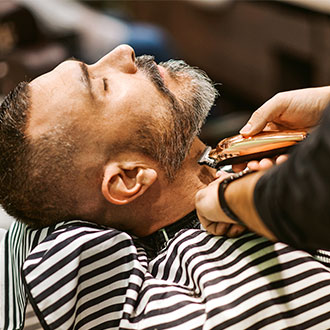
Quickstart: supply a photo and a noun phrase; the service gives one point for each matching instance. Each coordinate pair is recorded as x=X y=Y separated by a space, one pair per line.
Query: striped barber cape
x=78 y=275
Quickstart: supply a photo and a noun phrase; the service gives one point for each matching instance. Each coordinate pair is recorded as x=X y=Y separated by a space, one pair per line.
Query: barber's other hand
x=289 y=110
x=261 y=165
x=210 y=214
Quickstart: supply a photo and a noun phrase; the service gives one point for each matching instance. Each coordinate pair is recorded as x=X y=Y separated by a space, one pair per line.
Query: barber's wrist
x=239 y=196
x=222 y=199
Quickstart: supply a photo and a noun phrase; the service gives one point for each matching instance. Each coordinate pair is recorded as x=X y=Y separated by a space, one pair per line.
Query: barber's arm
x=287 y=201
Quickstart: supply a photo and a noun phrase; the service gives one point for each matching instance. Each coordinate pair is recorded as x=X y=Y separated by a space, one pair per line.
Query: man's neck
x=170 y=202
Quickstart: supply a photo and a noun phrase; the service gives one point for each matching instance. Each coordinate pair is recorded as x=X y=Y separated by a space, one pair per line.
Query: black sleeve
x=293 y=199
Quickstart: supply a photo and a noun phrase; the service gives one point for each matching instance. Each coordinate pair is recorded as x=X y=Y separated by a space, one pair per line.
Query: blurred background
x=251 y=49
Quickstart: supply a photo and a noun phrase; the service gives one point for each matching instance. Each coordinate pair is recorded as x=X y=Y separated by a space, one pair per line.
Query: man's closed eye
x=105 y=84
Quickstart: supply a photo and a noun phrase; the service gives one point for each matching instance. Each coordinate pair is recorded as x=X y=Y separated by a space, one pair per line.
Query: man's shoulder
x=75 y=238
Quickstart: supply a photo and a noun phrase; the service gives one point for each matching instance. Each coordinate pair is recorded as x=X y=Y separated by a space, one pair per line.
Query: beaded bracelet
x=223 y=204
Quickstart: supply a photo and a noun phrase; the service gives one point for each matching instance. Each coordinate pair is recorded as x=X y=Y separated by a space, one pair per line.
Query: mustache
x=147 y=64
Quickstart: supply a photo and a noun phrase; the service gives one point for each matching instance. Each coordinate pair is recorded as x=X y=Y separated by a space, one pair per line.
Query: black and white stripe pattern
x=14 y=248
x=85 y=277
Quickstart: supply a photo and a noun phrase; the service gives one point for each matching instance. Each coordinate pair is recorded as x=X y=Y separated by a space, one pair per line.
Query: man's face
x=122 y=101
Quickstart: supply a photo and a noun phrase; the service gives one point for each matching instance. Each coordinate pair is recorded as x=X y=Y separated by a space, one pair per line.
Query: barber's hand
x=261 y=165
x=289 y=110
x=210 y=214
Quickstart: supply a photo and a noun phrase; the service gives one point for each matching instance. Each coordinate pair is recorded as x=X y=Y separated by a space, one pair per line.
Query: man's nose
x=121 y=58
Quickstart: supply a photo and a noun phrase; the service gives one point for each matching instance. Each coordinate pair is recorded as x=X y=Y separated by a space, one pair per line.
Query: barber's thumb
x=255 y=125
x=246 y=129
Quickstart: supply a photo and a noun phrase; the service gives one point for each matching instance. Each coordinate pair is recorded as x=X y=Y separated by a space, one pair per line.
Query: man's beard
x=169 y=141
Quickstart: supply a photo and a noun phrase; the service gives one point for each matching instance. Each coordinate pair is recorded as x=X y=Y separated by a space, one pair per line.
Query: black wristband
x=223 y=204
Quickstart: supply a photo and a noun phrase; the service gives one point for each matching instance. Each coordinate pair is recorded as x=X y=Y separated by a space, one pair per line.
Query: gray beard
x=169 y=142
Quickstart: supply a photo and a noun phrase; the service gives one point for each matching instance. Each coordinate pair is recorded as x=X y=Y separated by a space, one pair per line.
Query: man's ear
x=124 y=182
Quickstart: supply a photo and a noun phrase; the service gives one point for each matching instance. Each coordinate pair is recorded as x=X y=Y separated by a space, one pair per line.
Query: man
x=101 y=142
x=114 y=145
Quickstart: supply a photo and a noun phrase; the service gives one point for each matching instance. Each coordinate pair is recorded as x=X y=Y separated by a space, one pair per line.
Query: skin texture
x=288 y=110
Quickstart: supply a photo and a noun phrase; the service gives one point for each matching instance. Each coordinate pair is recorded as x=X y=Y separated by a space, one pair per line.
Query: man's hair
x=35 y=186
x=40 y=180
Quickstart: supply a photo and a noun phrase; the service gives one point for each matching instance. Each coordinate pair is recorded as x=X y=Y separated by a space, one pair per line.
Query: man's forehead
x=52 y=94
x=65 y=69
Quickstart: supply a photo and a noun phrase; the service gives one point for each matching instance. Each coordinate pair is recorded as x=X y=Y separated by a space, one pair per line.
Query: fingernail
x=246 y=129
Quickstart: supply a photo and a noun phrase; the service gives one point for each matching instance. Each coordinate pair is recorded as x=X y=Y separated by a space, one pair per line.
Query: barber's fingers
x=266 y=113
x=217 y=228
x=239 y=167
x=266 y=163
x=235 y=230
x=223 y=229
x=255 y=165
x=263 y=164
x=281 y=159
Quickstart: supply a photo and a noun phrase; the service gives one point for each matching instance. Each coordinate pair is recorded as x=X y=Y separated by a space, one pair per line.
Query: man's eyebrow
x=84 y=75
